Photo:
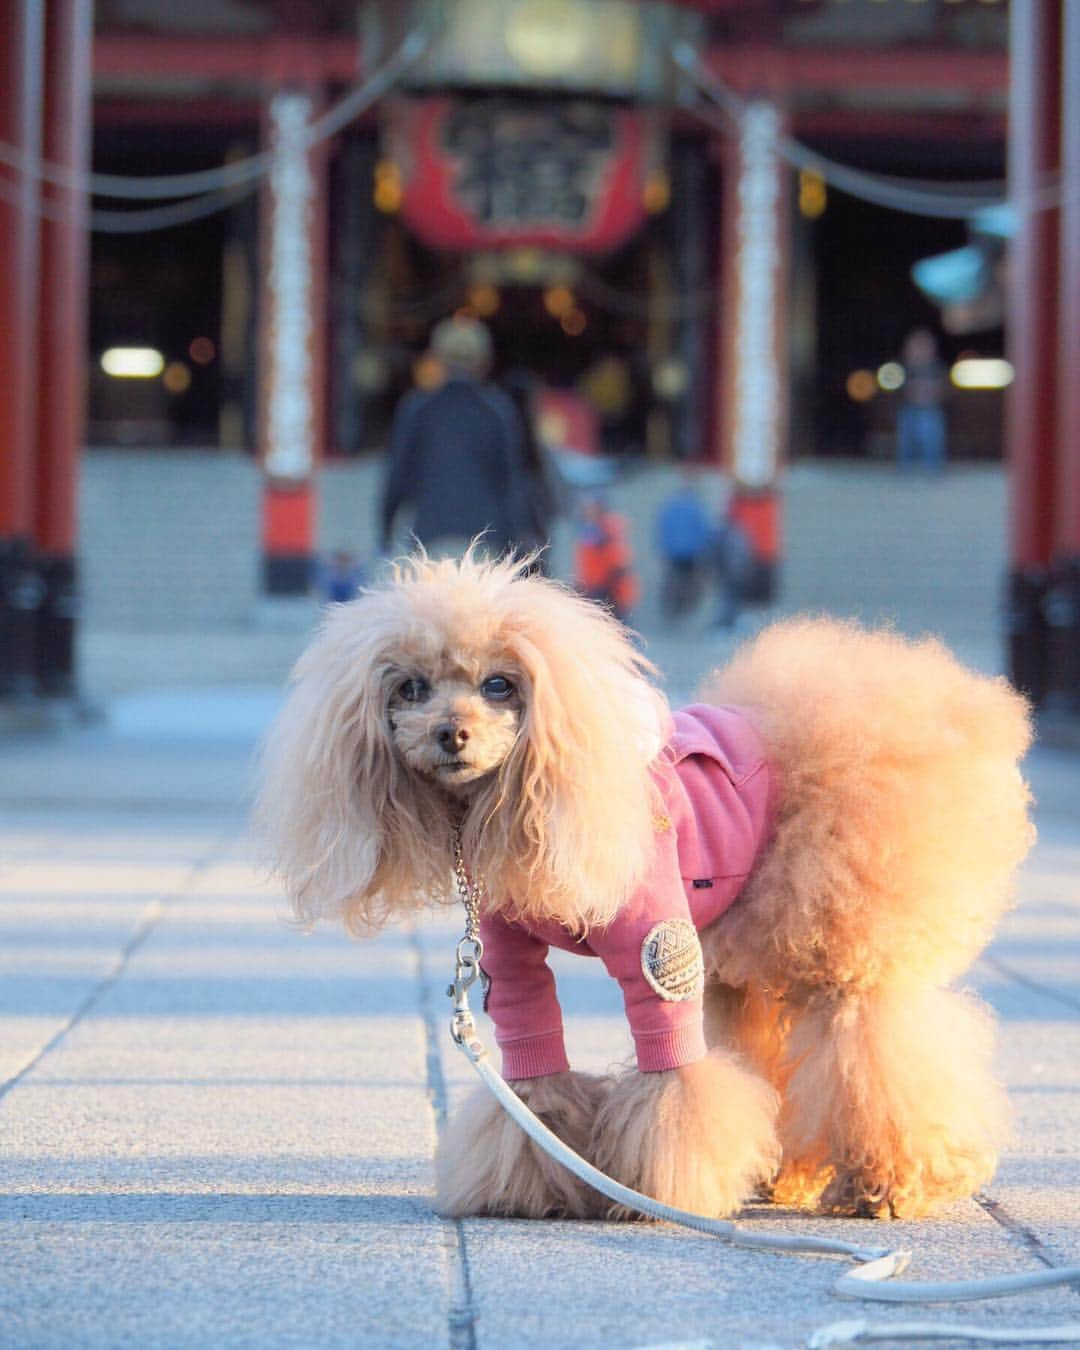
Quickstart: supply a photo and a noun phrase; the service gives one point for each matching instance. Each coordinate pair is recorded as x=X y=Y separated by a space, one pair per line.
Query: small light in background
x=202 y=350
x=428 y=372
x=484 y=299
x=370 y=371
x=891 y=376
x=813 y=194
x=671 y=378
x=981 y=372
x=558 y=301
x=177 y=377
x=861 y=386
x=388 y=191
x=553 y=428
x=133 y=363
x=656 y=195
x=573 y=323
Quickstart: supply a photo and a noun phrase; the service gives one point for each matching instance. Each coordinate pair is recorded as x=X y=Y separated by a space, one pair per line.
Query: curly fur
x=701 y=1140
x=901 y=812
x=900 y=817
x=486 y=1164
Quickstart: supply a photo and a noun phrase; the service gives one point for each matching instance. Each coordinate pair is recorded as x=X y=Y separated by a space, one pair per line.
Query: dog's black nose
x=451 y=735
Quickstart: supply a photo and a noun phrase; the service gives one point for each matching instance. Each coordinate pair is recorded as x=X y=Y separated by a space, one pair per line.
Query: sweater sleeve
x=522 y=1001
x=652 y=949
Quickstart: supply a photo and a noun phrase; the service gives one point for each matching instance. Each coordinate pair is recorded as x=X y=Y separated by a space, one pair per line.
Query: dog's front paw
x=486 y=1164
x=699 y=1138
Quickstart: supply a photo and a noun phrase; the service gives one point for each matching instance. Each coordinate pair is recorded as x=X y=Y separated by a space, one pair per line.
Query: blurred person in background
x=684 y=538
x=456 y=455
x=731 y=563
x=920 y=423
x=603 y=557
x=339 y=576
x=542 y=502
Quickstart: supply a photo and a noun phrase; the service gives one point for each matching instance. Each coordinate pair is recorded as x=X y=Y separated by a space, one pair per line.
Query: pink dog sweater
x=711 y=819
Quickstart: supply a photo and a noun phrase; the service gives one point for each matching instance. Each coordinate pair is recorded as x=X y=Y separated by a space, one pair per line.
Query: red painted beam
x=896 y=125
x=186 y=111
x=762 y=68
x=315 y=60
x=972 y=125
x=754 y=67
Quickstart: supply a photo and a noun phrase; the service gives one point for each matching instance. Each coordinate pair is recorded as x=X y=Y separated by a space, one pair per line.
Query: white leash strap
x=864 y=1333
x=877 y=1264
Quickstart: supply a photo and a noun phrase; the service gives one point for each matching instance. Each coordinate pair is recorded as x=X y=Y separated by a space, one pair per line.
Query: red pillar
x=292 y=341
x=1068 y=490
x=752 y=412
x=1063 y=607
x=1034 y=125
x=63 y=338
x=21 y=25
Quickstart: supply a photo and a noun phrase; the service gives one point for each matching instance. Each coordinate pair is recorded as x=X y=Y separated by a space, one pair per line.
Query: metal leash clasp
x=466 y=973
x=467 y=963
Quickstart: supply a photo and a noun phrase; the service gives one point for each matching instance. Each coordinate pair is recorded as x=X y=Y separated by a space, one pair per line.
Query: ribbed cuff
x=660 y=1050
x=534 y=1056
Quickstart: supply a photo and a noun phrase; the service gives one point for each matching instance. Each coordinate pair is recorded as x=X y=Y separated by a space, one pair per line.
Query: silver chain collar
x=471 y=892
x=469 y=949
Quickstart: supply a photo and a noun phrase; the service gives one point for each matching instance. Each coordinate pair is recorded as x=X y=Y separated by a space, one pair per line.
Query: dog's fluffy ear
x=573 y=827
x=332 y=796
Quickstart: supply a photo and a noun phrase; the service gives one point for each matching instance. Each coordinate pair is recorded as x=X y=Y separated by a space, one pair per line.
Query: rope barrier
x=234 y=174
x=956 y=201
x=228 y=184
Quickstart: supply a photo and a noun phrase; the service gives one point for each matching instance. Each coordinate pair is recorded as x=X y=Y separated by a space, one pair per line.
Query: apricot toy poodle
x=785 y=878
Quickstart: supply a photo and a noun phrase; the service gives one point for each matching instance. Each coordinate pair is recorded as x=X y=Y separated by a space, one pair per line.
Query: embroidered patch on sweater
x=671 y=961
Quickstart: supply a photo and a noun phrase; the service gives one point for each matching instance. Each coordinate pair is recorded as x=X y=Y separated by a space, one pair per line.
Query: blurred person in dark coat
x=542 y=497
x=457 y=454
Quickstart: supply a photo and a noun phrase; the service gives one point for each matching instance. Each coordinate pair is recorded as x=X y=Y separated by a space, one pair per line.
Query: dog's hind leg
x=486 y=1164
x=890 y=1107
x=750 y=1022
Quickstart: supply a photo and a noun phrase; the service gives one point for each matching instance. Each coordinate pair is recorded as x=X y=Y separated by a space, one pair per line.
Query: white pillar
x=288 y=325
x=753 y=387
x=292 y=327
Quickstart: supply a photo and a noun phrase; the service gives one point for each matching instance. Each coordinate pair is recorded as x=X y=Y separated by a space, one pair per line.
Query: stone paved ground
x=217 y=1132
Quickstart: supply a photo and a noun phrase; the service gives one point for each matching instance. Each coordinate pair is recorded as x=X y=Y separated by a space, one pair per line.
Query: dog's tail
x=902 y=812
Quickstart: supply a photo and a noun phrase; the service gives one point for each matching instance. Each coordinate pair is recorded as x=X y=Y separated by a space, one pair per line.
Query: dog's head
x=456 y=720
x=463 y=693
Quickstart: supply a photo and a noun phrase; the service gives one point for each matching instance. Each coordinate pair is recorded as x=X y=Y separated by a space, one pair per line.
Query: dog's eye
x=414 y=690
x=497 y=687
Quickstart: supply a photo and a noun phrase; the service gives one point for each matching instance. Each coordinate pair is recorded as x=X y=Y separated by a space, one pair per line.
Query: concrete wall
x=171 y=539
x=168 y=539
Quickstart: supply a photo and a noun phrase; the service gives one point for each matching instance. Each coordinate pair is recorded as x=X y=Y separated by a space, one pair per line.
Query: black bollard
x=1027 y=631
x=21 y=594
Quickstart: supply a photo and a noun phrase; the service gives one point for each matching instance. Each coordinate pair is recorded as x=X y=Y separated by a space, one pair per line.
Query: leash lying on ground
x=867 y=1281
